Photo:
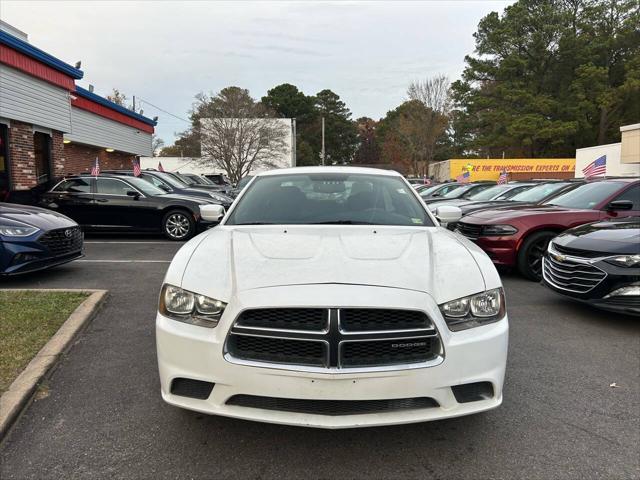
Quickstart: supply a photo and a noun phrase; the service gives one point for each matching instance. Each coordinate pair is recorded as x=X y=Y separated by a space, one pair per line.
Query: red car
x=518 y=236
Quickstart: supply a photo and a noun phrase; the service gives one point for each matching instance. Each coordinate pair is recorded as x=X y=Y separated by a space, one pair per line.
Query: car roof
x=308 y=170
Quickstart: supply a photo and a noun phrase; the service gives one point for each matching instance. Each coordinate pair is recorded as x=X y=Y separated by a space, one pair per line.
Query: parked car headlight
x=217 y=198
x=17 y=230
x=475 y=310
x=498 y=230
x=630 y=261
x=185 y=306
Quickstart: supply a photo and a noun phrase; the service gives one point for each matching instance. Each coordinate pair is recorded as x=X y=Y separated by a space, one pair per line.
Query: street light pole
x=323 y=141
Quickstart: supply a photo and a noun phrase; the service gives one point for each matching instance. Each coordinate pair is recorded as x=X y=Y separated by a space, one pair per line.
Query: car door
x=72 y=197
x=631 y=194
x=113 y=205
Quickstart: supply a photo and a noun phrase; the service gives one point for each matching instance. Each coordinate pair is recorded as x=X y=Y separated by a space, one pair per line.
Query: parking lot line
x=124 y=261
x=160 y=242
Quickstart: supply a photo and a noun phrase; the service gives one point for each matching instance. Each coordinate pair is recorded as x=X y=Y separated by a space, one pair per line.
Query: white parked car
x=330 y=297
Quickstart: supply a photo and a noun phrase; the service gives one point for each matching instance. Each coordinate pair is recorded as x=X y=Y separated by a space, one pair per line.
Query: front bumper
x=192 y=352
x=616 y=278
x=27 y=256
x=501 y=250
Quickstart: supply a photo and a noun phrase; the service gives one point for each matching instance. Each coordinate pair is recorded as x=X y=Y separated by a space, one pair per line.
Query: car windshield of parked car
x=458 y=192
x=171 y=180
x=187 y=180
x=145 y=187
x=201 y=180
x=329 y=198
x=490 y=193
x=425 y=192
x=585 y=196
x=243 y=181
x=539 y=192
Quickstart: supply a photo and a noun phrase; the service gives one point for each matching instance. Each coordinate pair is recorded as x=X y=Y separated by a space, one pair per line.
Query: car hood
x=506 y=214
x=617 y=237
x=35 y=216
x=431 y=260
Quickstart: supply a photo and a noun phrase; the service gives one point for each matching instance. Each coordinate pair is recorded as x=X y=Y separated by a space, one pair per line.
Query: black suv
x=126 y=204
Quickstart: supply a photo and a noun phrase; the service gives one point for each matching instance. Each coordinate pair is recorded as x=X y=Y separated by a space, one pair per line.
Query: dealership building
x=50 y=127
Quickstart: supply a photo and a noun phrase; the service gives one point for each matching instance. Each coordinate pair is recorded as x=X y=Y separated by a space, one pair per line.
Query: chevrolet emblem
x=558 y=257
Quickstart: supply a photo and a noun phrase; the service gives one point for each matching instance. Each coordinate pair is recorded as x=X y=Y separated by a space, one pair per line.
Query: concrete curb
x=20 y=392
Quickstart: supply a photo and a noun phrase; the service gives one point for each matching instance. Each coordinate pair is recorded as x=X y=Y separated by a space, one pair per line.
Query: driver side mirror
x=448 y=214
x=620 y=205
x=212 y=213
x=134 y=194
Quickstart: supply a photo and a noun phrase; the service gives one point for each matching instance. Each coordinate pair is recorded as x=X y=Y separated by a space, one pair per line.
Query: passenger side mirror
x=133 y=193
x=448 y=214
x=620 y=205
x=212 y=213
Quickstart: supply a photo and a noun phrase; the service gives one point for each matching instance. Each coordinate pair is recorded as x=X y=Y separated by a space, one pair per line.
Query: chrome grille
x=573 y=274
x=334 y=338
x=62 y=241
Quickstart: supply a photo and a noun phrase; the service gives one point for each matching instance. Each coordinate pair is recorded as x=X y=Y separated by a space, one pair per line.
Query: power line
x=162 y=110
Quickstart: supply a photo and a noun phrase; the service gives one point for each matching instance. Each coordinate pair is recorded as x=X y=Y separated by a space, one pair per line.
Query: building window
x=42 y=152
x=4 y=162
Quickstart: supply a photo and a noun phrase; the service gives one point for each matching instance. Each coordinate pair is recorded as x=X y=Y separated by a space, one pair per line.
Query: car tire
x=178 y=225
x=531 y=252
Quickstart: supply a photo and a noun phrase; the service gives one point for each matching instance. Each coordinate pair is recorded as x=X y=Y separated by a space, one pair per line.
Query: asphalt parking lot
x=101 y=414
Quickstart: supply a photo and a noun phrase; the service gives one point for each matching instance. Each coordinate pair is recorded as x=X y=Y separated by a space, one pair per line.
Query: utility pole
x=134 y=103
x=323 y=141
x=294 y=157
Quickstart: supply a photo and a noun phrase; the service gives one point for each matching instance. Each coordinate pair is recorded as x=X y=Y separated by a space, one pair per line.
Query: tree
x=341 y=135
x=121 y=99
x=289 y=102
x=156 y=145
x=550 y=77
x=237 y=133
x=433 y=93
x=368 y=152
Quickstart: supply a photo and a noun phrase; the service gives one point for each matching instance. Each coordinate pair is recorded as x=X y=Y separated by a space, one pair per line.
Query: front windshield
x=490 y=193
x=425 y=192
x=201 y=180
x=188 y=180
x=171 y=180
x=457 y=192
x=539 y=192
x=145 y=187
x=585 y=196
x=329 y=198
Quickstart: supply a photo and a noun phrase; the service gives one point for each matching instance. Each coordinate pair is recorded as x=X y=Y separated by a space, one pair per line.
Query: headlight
x=17 y=230
x=498 y=230
x=217 y=197
x=475 y=310
x=184 y=306
x=630 y=261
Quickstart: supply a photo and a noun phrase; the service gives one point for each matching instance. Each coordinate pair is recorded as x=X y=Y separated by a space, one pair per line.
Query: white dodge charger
x=330 y=297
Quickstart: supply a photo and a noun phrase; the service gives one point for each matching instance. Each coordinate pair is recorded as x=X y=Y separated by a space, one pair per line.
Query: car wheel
x=531 y=252
x=178 y=225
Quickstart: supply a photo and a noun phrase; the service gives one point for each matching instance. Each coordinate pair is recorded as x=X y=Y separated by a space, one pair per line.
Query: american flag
x=136 y=167
x=426 y=180
x=95 y=170
x=463 y=177
x=160 y=169
x=503 y=178
x=597 y=167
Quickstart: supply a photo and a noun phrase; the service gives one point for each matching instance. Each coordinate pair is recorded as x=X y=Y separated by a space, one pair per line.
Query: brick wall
x=80 y=159
x=21 y=156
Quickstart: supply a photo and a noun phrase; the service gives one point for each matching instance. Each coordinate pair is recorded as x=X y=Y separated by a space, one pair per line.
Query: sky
x=165 y=52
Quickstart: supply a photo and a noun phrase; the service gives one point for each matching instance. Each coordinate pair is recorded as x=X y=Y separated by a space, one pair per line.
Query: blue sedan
x=33 y=238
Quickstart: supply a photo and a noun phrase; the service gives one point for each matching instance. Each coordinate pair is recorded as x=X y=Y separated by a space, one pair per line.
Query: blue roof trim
x=39 y=55
x=113 y=106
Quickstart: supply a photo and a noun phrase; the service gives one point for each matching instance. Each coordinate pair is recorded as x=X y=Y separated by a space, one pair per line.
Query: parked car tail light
x=184 y=306
x=475 y=310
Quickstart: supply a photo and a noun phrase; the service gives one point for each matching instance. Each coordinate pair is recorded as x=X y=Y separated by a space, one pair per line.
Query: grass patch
x=27 y=321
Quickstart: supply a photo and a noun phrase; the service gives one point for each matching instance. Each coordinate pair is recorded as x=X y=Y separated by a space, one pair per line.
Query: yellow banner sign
x=489 y=169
